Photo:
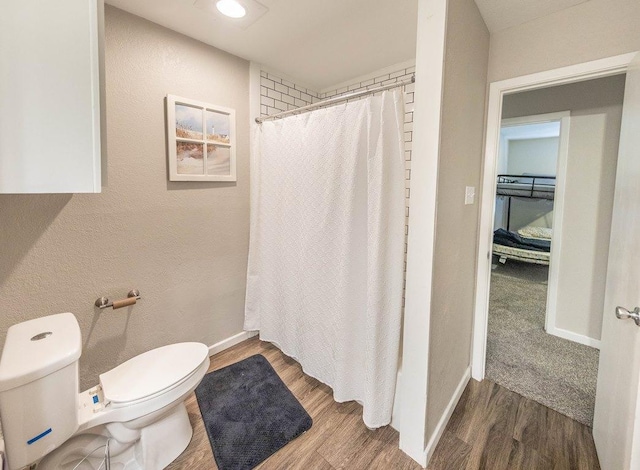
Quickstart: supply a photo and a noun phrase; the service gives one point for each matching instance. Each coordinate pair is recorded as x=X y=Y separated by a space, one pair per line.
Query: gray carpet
x=553 y=371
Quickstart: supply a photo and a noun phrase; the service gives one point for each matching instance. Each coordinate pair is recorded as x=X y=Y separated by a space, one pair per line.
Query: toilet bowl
x=137 y=410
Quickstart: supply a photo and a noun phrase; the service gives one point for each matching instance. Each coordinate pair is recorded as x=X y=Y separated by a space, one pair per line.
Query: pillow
x=540 y=233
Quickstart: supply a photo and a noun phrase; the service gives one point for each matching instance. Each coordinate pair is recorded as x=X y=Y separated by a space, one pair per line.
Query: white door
x=616 y=425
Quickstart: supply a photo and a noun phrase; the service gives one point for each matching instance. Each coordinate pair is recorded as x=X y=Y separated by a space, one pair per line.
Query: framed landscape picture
x=201 y=139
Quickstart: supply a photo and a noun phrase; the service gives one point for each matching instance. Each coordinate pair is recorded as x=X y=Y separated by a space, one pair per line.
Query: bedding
x=506 y=238
x=538 y=233
x=509 y=245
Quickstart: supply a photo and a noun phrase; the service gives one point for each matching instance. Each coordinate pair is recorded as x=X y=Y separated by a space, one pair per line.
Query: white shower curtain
x=326 y=255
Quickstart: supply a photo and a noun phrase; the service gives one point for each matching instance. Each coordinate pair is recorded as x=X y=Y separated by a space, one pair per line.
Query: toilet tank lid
x=39 y=347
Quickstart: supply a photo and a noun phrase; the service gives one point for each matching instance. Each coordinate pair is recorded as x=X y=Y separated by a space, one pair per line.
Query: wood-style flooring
x=491 y=428
x=495 y=428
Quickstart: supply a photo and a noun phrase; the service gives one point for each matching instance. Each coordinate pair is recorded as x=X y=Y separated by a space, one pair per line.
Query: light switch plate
x=469 y=195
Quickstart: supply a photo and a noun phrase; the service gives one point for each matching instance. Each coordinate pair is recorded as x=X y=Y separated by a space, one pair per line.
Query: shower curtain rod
x=337 y=99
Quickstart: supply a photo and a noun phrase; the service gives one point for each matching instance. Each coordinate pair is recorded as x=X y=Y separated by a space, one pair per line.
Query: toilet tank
x=39 y=386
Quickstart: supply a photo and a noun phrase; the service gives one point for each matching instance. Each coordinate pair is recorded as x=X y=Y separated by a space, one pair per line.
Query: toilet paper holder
x=132 y=298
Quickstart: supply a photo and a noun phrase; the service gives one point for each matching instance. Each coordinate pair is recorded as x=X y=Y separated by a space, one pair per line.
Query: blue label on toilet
x=39 y=436
x=95 y=399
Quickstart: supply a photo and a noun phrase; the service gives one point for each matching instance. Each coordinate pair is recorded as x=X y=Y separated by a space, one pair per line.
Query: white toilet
x=138 y=407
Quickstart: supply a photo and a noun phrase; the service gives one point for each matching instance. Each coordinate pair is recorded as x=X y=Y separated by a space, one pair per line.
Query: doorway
x=529 y=188
x=616 y=426
x=525 y=352
x=549 y=295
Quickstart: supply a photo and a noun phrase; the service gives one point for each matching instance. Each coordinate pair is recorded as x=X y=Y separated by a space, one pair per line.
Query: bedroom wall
x=527 y=156
x=533 y=156
x=596 y=111
x=184 y=245
x=588 y=31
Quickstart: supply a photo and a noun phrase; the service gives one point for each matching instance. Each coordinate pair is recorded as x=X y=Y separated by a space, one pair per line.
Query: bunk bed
x=529 y=244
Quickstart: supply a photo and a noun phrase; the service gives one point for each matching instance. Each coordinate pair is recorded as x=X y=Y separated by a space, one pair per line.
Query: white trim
x=557 y=223
x=431 y=19
x=575 y=337
x=533 y=119
x=573 y=73
x=444 y=419
x=96 y=46
x=231 y=341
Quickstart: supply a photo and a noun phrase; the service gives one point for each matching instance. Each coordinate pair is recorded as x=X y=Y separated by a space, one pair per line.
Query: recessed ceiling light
x=231 y=8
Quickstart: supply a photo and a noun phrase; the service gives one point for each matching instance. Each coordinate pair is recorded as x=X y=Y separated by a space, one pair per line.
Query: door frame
x=574 y=73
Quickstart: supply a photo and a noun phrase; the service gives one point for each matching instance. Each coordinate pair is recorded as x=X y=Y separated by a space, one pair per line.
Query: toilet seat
x=91 y=414
x=152 y=373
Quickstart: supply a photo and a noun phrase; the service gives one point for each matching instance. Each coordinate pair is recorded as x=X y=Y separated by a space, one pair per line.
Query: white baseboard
x=444 y=420
x=575 y=337
x=232 y=341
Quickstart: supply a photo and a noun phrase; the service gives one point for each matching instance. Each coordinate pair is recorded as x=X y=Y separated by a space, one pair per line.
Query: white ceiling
x=503 y=14
x=320 y=43
x=539 y=130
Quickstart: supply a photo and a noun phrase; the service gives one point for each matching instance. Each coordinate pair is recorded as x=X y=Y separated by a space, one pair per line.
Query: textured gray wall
x=461 y=137
x=184 y=245
x=588 y=31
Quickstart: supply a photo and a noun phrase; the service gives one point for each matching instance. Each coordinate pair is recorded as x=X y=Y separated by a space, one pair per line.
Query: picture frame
x=201 y=140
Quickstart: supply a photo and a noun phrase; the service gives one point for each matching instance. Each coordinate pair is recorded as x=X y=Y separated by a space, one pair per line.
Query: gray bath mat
x=249 y=413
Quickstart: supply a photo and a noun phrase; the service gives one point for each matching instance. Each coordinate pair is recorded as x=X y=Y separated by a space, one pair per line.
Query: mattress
x=519 y=254
x=510 y=245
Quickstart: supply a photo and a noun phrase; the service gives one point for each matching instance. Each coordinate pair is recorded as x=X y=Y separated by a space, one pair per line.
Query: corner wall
x=184 y=245
x=460 y=165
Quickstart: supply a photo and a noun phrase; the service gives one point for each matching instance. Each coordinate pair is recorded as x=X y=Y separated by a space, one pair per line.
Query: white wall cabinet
x=50 y=55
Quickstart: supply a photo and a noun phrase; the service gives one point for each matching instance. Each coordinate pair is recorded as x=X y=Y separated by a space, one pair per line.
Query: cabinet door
x=50 y=96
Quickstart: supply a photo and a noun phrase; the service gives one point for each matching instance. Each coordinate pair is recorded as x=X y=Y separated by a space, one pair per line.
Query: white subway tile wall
x=277 y=95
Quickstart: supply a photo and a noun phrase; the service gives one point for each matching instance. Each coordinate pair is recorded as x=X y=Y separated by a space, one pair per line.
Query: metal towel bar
x=132 y=297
